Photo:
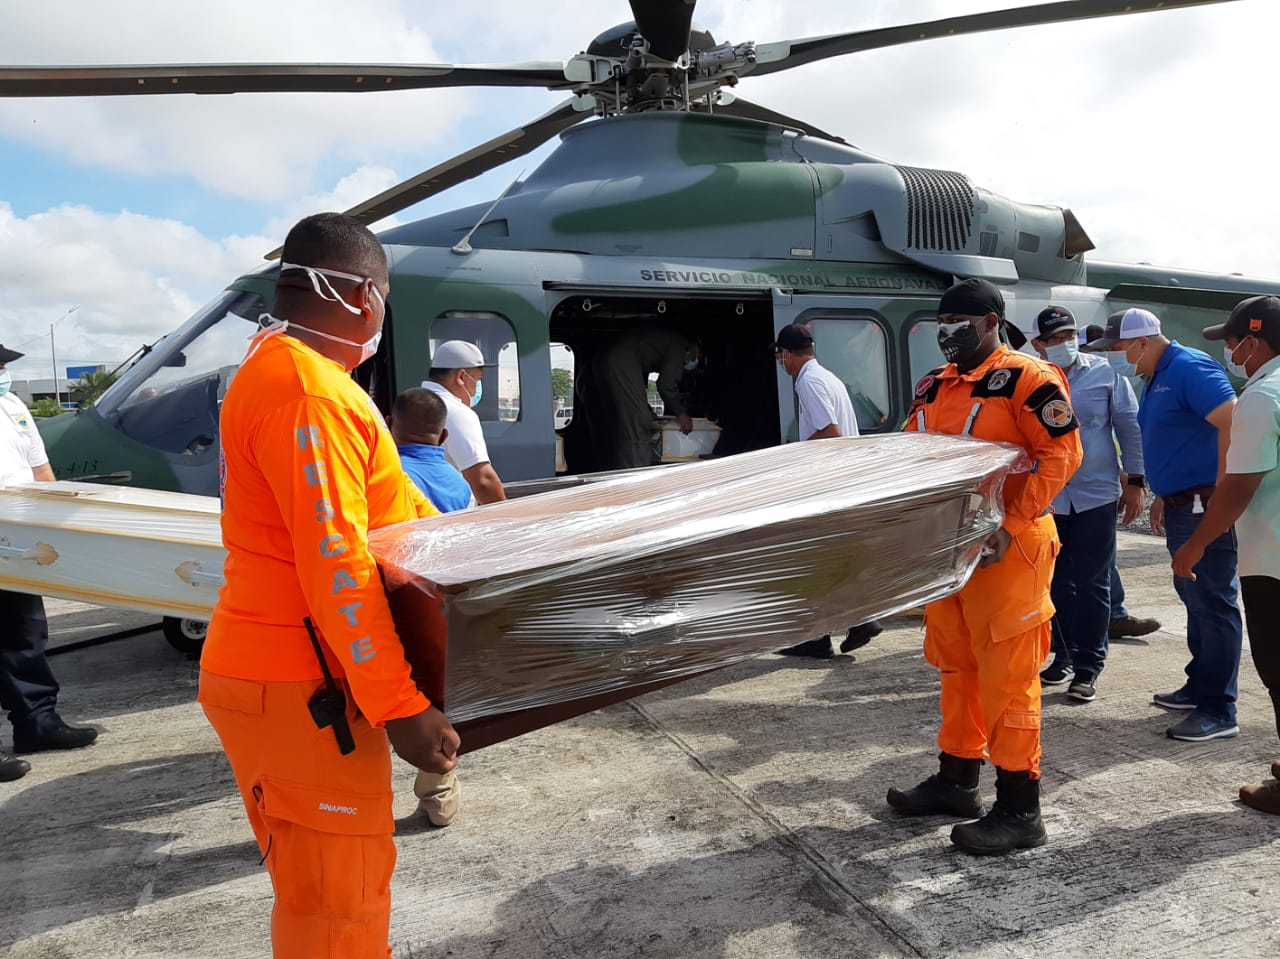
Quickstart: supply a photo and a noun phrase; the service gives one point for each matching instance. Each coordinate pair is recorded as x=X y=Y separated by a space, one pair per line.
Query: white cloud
x=133 y=277
x=259 y=146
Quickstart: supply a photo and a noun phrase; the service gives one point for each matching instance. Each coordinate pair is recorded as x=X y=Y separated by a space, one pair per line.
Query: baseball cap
x=1092 y=332
x=1125 y=325
x=1052 y=321
x=972 y=297
x=8 y=356
x=793 y=336
x=458 y=355
x=1257 y=316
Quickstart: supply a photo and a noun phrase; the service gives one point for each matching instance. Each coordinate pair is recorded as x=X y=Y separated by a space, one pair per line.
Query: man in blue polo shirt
x=417 y=425
x=418 y=416
x=1085 y=511
x=1185 y=417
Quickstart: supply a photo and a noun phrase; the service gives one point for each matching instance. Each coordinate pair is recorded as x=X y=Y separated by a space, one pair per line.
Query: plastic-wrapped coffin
x=560 y=603
x=142 y=549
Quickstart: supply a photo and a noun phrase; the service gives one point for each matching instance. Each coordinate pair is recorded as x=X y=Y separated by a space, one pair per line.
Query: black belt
x=1187 y=497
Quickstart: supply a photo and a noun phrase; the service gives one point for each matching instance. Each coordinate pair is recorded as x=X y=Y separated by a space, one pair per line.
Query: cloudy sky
x=1152 y=128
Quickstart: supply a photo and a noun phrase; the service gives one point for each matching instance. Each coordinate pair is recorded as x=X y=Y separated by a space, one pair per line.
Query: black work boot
x=1013 y=823
x=951 y=791
x=819 y=648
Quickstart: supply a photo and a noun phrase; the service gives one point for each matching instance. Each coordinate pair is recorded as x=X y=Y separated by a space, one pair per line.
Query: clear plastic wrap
x=141 y=549
x=558 y=603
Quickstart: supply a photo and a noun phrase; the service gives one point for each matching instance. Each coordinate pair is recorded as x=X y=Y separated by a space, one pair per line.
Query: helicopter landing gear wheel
x=185 y=635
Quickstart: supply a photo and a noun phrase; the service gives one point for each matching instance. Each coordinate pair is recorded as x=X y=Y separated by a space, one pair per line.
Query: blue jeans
x=1118 y=608
x=1081 y=588
x=1214 y=632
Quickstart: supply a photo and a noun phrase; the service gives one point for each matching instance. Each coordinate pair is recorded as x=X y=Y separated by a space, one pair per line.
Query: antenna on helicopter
x=463 y=246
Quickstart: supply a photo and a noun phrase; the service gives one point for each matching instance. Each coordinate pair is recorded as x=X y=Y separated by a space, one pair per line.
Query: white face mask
x=1062 y=355
x=318 y=276
x=324 y=289
x=271 y=326
x=6 y=381
x=1234 y=368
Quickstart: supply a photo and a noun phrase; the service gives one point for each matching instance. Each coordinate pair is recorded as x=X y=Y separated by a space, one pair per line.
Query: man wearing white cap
x=1185 y=417
x=457 y=371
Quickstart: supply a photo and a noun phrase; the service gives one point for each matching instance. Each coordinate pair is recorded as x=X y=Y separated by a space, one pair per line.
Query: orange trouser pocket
x=331 y=861
x=323 y=820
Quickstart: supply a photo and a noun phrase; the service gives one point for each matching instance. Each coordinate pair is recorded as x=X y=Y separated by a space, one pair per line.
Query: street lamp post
x=53 y=353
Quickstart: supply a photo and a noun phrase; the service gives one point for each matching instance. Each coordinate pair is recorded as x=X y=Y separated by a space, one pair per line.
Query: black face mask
x=958 y=341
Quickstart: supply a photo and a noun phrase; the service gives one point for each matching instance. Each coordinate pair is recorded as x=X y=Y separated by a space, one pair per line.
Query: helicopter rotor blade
x=465 y=166
x=271 y=78
x=665 y=24
x=739 y=107
x=772 y=57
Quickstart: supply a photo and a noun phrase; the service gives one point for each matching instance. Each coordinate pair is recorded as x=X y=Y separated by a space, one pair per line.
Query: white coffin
x=147 y=550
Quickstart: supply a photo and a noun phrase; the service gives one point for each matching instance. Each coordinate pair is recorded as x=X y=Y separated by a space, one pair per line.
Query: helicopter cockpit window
x=856 y=351
x=496 y=338
x=169 y=400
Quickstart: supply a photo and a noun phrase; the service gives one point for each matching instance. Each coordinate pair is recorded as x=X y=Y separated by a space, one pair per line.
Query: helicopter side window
x=856 y=351
x=496 y=338
x=561 y=385
x=923 y=354
x=170 y=399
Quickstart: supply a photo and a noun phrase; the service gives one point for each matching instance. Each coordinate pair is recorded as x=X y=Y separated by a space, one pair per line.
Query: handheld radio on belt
x=328 y=705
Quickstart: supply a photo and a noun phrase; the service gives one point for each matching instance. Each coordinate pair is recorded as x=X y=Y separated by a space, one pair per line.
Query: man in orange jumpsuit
x=302 y=670
x=990 y=639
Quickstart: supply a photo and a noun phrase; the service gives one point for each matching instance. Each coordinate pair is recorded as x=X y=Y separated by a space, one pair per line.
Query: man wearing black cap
x=1185 y=417
x=28 y=690
x=1085 y=512
x=826 y=411
x=990 y=639
x=1248 y=495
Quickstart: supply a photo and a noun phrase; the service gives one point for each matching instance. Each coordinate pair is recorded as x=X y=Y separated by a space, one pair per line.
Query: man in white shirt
x=456 y=374
x=825 y=411
x=28 y=691
x=1248 y=496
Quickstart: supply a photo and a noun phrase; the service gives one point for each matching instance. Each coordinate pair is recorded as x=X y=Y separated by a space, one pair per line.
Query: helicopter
x=670 y=201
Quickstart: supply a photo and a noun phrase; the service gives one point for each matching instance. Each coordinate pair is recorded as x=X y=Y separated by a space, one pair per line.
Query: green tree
x=47 y=406
x=92 y=385
x=561 y=384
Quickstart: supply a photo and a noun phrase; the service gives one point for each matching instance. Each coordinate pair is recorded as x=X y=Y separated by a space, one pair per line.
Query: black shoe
x=1013 y=823
x=819 y=648
x=1125 y=627
x=1082 y=688
x=1055 y=674
x=952 y=791
x=12 y=768
x=859 y=636
x=53 y=735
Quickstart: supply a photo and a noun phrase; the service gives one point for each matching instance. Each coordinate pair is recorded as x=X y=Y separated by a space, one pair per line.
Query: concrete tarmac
x=739 y=815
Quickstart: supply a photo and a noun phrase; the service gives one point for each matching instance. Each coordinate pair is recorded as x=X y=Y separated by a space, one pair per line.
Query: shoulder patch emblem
x=923 y=386
x=1056 y=414
x=999 y=382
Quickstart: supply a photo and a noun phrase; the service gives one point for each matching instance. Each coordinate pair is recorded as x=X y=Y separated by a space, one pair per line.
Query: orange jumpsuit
x=990 y=639
x=308 y=468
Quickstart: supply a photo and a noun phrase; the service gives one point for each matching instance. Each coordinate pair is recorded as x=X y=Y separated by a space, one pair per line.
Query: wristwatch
x=1138 y=480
